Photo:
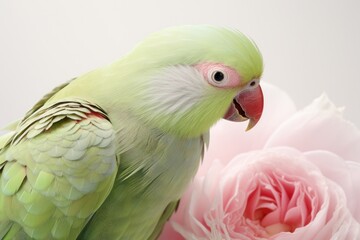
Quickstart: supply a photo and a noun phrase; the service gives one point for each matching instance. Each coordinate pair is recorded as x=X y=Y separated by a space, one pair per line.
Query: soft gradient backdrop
x=309 y=46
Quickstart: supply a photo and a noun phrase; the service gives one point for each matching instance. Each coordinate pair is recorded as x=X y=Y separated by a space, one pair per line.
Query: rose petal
x=285 y=162
x=319 y=126
x=169 y=233
x=345 y=173
x=333 y=221
x=354 y=169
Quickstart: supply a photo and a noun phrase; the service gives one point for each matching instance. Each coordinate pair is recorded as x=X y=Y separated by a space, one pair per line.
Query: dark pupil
x=218 y=76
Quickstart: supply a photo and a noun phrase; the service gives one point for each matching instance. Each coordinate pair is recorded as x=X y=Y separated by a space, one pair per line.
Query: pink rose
x=294 y=177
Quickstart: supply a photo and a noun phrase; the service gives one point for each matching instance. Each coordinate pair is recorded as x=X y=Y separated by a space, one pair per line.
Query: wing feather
x=58 y=168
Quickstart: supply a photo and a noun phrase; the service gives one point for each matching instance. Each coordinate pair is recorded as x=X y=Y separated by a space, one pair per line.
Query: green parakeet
x=109 y=154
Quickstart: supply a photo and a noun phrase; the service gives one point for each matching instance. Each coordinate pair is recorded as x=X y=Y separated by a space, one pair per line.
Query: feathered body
x=108 y=155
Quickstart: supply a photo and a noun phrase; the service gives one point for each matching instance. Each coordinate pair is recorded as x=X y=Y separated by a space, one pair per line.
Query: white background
x=309 y=46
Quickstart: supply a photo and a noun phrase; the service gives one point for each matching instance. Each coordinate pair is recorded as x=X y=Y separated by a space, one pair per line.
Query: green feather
x=13 y=176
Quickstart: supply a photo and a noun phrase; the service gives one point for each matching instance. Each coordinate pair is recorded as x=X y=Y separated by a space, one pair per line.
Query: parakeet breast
x=154 y=168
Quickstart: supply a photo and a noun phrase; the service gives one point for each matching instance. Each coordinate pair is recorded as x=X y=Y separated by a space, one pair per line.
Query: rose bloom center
x=275 y=203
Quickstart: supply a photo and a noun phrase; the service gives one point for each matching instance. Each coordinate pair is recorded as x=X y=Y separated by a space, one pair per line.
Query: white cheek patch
x=175 y=89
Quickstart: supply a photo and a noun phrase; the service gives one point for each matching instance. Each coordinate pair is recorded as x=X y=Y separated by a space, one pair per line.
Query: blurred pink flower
x=296 y=175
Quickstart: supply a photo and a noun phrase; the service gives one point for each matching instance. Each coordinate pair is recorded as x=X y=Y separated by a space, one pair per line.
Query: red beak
x=247 y=105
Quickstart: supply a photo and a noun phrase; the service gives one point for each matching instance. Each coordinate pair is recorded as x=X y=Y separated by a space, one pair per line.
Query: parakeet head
x=189 y=77
x=184 y=79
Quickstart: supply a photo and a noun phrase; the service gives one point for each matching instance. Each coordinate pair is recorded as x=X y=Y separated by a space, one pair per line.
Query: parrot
x=108 y=154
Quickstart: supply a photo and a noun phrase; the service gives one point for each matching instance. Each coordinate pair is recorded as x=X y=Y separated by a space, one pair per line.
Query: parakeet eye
x=218 y=77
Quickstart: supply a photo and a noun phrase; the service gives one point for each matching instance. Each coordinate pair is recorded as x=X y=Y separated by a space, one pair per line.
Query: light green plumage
x=49 y=185
x=104 y=155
